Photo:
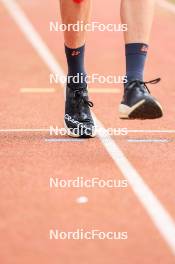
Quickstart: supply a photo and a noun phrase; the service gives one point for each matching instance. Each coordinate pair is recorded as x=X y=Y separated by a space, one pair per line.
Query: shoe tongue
x=133 y=83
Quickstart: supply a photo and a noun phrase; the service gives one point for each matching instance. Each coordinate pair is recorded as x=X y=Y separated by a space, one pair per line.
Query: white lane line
x=158 y=214
x=150 y=140
x=151 y=131
x=167 y=5
x=18 y=130
x=53 y=140
x=32 y=36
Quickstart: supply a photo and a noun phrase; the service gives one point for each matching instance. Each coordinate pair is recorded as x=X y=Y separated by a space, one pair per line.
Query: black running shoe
x=138 y=103
x=78 y=119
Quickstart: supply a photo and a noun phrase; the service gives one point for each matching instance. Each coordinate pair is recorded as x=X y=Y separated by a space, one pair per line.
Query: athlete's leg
x=78 y=119
x=138 y=15
x=72 y=12
x=137 y=102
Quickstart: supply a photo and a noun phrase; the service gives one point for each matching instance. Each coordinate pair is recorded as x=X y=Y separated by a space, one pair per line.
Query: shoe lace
x=138 y=82
x=79 y=94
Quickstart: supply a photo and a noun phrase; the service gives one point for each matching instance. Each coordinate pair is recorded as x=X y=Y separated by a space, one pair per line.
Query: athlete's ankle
x=136 y=54
x=75 y=61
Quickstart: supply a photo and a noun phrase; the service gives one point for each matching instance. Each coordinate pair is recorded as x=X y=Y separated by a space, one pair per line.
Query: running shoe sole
x=145 y=109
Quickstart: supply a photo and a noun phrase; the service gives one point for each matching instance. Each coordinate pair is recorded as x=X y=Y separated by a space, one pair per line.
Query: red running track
x=29 y=208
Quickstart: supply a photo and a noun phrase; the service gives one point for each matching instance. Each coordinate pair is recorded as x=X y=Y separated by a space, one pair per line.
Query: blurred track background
x=28 y=207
